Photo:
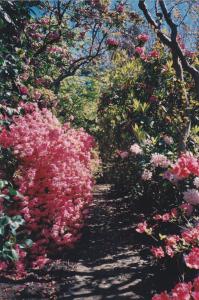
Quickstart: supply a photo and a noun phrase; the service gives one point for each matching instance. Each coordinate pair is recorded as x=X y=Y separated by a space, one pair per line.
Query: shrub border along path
x=105 y=264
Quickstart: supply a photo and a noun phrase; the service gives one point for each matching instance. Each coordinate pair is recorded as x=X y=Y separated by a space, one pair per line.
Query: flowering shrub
x=175 y=233
x=182 y=291
x=53 y=174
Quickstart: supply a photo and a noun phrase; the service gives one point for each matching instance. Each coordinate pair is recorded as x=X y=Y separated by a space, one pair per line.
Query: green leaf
x=4 y=221
x=15 y=255
x=12 y=191
x=28 y=242
x=3 y=183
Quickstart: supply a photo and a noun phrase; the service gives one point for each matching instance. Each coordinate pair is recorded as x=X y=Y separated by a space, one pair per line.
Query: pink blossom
x=171 y=177
x=142 y=227
x=192 y=259
x=182 y=291
x=172 y=240
x=187 y=208
x=153 y=54
x=159 y=160
x=158 y=252
x=139 y=50
x=168 y=139
x=169 y=251
x=157 y=217
x=166 y=217
x=186 y=165
x=191 y=235
x=112 y=42
x=40 y=262
x=192 y=196
x=23 y=90
x=143 y=37
x=147 y=175
x=122 y=154
x=136 y=149
x=162 y=296
x=37 y=95
x=195 y=295
x=174 y=212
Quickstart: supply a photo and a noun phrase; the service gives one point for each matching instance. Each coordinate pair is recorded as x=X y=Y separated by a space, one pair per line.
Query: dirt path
x=106 y=264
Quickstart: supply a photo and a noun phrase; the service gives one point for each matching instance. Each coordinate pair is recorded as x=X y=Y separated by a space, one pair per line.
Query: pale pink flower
x=187 y=208
x=122 y=154
x=159 y=160
x=136 y=149
x=169 y=251
x=168 y=139
x=146 y=175
x=192 y=196
x=142 y=227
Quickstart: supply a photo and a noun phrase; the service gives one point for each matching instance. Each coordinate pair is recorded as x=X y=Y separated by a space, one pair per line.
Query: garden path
x=107 y=260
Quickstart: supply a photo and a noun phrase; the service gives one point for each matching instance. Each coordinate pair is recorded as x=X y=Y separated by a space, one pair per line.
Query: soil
x=109 y=262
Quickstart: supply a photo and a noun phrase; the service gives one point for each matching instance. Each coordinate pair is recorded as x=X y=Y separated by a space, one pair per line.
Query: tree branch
x=171 y=42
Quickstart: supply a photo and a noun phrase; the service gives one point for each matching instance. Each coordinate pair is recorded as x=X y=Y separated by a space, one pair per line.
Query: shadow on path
x=108 y=264
x=105 y=264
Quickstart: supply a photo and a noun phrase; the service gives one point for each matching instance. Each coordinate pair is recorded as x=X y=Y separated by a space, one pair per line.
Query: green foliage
x=79 y=101
x=10 y=226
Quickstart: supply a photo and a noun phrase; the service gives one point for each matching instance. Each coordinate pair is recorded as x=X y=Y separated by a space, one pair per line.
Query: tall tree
x=181 y=62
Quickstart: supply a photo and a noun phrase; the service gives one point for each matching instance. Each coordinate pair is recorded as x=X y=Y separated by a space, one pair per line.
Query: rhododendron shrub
x=173 y=231
x=53 y=175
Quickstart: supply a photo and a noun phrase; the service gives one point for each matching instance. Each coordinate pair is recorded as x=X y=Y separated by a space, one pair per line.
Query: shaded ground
x=106 y=264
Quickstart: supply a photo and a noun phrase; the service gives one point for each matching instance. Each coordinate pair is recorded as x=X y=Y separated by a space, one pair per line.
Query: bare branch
x=163 y=37
x=171 y=42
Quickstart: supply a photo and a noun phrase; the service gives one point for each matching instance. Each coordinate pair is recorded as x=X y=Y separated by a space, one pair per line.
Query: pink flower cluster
x=146 y=57
x=140 y=50
x=182 y=291
x=158 y=252
x=146 y=175
x=191 y=235
x=187 y=164
x=54 y=175
x=122 y=154
x=192 y=196
x=192 y=259
x=143 y=37
x=136 y=149
x=112 y=42
x=142 y=227
x=159 y=160
x=166 y=217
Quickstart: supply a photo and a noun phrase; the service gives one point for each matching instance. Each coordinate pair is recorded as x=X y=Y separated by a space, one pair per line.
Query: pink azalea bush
x=54 y=175
x=182 y=291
